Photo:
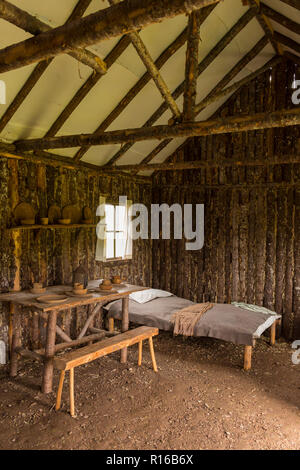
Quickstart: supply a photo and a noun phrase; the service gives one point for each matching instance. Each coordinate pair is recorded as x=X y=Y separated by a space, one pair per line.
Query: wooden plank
x=127 y=16
x=107 y=346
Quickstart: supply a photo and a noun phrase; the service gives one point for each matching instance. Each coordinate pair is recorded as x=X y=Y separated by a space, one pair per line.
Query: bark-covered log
x=280 y=118
x=38 y=71
x=127 y=16
x=208 y=59
x=279 y=18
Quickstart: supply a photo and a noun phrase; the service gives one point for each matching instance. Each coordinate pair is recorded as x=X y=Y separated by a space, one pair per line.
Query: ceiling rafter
x=282 y=118
x=293 y=57
x=162 y=59
x=202 y=66
x=148 y=62
x=37 y=72
x=292 y=3
x=83 y=91
x=191 y=65
x=219 y=91
x=34 y=26
x=126 y=16
x=280 y=19
x=266 y=25
x=286 y=41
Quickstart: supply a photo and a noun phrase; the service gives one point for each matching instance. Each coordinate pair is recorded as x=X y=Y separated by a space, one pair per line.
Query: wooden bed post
x=247 y=357
x=111 y=325
x=273 y=334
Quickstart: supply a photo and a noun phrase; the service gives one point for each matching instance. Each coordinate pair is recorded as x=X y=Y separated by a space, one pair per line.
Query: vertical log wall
x=51 y=256
x=252 y=214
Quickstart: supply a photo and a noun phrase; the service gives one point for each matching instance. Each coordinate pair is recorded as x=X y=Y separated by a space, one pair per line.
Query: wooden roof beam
x=142 y=82
x=89 y=84
x=126 y=16
x=292 y=3
x=147 y=60
x=282 y=118
x=196 y=164
x=266 y=25
x=192 y=51
x=34 y=26
x=280 y=19
x=208 y=59
x=288 y=42
x=219 y=91
x=37 y=73
x=293 y=57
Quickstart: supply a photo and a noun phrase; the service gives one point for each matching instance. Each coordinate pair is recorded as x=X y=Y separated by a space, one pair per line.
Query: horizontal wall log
x=58 y=161
x=29 y=23
x=191 y=165
x=127 y=16
x=283 y=118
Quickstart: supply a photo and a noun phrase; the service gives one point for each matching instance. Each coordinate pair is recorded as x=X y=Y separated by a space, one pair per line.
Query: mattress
x=223 y=321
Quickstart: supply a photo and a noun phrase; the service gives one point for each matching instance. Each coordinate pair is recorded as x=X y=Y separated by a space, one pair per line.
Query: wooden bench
x=89 y=353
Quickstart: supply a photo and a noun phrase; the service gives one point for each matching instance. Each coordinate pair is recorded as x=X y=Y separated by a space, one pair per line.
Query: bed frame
x=247 y=351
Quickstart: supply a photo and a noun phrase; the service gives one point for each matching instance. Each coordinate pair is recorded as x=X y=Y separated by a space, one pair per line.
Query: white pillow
x=146 y=295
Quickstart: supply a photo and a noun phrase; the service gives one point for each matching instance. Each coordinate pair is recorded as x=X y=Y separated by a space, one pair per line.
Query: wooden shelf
x=51 y=227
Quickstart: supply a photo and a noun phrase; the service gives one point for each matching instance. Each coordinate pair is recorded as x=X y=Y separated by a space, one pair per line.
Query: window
x=115 y=242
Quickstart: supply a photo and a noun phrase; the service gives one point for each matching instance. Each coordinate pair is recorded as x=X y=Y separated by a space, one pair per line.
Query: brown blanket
x=186 y=319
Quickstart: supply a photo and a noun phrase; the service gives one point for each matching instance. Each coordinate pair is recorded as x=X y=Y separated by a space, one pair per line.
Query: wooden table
x=50 y=313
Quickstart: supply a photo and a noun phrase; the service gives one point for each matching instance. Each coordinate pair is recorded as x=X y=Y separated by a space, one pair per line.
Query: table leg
x=125 y=325
x=16 y=339
x=49 y=353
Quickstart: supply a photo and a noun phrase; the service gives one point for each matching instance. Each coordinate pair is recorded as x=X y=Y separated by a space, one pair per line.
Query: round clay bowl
x=39 y=290
x=116 y=280
x=44 y=221
x=27 y=221
x=64 y=221
x=105 y=287
x=87 y=221
x=79 y=291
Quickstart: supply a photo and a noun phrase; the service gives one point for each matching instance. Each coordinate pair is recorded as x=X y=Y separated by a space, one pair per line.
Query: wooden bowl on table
x=105 y=285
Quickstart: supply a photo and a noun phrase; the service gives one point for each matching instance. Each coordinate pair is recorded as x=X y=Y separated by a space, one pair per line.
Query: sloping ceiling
x=65 y=76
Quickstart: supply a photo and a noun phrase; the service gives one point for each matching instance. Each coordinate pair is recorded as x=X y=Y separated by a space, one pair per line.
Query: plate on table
x=106 y=292
x=80 y=296
x=52 y=299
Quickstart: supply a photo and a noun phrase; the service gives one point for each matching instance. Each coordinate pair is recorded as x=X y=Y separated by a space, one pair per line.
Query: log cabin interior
x=108 y=110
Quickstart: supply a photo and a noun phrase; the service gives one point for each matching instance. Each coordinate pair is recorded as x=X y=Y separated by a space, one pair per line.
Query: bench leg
x=152 y=354
x=247 y=357
x=140 y=353
x=273 y=334
x=72 y=400
x=111 y=325
x=59 y=391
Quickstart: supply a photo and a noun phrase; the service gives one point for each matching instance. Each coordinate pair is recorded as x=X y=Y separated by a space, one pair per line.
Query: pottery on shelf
x=64 y=221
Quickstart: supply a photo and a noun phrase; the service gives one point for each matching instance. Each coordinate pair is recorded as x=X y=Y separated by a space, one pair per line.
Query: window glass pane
x=110 y=245
x=120 y=244
x=120 y=218
x=109 y=214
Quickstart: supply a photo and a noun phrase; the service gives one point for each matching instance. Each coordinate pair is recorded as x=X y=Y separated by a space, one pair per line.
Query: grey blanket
x=223 y=321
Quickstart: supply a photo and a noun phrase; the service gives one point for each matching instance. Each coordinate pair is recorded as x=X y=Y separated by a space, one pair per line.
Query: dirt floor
x=200 y=399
